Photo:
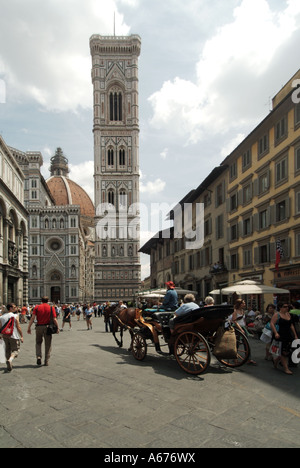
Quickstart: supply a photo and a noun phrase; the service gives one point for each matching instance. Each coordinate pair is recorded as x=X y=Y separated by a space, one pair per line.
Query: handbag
x=8 y=327
x=275 y=348
x=225 y=344
x=51 y=328
x=266 y=336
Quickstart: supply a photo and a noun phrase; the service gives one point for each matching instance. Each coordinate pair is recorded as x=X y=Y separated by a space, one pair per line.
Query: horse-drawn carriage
x=193 y=338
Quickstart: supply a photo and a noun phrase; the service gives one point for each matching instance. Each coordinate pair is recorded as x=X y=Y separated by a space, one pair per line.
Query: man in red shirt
x=42 y=313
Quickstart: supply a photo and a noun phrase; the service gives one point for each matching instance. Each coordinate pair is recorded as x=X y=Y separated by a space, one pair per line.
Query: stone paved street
x=94 y=394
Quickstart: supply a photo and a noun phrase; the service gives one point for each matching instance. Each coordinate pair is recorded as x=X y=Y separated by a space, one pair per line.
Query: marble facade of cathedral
x=60 y=231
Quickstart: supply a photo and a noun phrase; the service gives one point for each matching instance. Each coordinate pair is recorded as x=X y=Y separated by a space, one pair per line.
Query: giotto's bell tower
x=116 y=157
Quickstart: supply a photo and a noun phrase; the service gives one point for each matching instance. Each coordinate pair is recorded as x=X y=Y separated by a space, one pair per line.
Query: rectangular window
x=233 y=171
x=234 y=261
x=281 y=211
x=246 y=160
x=247 y=257
x=263 y=144
x=264 y=183
x=219 y=195
x=247 y=227
x=233 y=202
x=281 y=129
x=263 y=219
x=281 y=170
x=297 y=197
x=233 y=232
x=297 y=245
x=247 y=193
x=297 y=159
x=207 y=227
x=264 y=253
x=219 y=227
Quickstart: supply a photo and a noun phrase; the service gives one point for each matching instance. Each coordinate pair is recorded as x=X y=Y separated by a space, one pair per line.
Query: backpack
x=8 y=327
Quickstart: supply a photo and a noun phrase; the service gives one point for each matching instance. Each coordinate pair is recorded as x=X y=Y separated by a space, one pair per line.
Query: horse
x=124 y=319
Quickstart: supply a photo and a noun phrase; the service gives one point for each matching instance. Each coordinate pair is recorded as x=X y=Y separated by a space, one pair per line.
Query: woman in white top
x=88 y=317
x=12 y=343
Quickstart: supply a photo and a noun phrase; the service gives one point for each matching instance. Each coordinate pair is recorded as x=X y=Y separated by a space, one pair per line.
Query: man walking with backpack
x=11 y=333
x=42 y=313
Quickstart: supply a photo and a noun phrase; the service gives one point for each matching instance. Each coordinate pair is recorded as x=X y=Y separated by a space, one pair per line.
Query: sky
x=208 y=71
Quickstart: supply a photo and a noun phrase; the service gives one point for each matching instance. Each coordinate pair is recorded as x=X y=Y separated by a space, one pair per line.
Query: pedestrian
x=66 y=317
x=23 y=313
x=78 y=312
x=285 y=335
x=42 y=313
x=12 y=343
x=88 y=316
x=266 y=336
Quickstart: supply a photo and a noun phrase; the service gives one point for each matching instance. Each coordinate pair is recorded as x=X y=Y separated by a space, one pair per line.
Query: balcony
x=218 y=268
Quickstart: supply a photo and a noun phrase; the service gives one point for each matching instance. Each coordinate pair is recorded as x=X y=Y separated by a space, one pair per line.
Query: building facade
x=116 y=174
x=263 y=198
x=13 y=231
x=251 y=207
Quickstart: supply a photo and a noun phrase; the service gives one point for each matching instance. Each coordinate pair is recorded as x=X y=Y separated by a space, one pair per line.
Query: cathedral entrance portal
x=55 y=294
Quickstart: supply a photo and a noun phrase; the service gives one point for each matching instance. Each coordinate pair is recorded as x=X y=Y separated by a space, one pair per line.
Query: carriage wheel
x=243 y=351
x=138 y=346
x=192 y=352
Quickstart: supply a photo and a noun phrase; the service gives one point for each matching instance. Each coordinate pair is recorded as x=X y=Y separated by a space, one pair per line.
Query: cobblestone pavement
x=94 y=394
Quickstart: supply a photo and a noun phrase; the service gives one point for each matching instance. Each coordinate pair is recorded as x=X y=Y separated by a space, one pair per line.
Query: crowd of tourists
x=278 y=327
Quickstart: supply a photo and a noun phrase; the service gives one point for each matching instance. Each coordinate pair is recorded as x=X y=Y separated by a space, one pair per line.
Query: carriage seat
x=213 y=313
x=163 y=318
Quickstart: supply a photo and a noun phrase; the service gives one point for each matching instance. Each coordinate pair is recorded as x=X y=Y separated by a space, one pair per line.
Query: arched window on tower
x=123 y=199
x=115 y=107
x=122 y=157
x=111 y=197
x=110 y=157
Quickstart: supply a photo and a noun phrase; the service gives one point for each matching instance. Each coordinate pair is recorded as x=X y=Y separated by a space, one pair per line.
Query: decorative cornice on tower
x=123 y=45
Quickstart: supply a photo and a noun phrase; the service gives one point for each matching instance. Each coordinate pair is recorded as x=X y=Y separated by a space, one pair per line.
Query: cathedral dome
x=66 y=191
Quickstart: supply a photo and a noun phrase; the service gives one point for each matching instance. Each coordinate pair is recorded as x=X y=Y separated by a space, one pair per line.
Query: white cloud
x=152 y=187
x=164 y=153
x=231 y=63
x=131 y=3
x=83 y=175
x=47 y=58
